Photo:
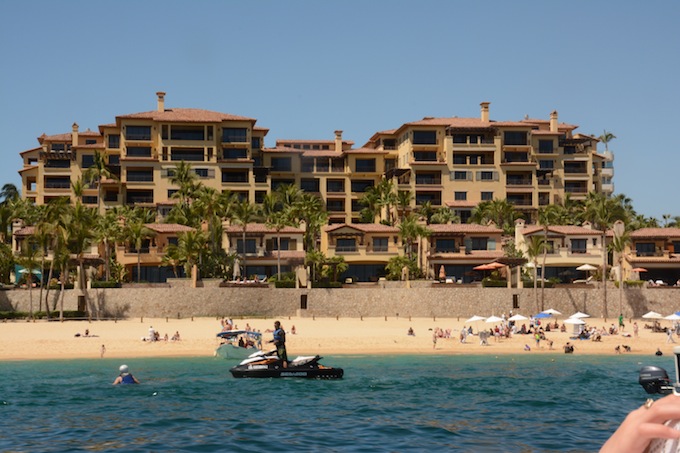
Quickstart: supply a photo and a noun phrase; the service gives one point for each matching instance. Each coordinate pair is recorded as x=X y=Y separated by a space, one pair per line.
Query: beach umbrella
x=579 y=315
x=476 y=318
x=542 y=315
x=517 y=318
x=551 y=311
x=586 y=267
x=496 y=265
x=442 y=272
x=673 y=317
x=575 y=321
x=494 y=319
x=639 y=269
x=482 y=267
x=652 y=315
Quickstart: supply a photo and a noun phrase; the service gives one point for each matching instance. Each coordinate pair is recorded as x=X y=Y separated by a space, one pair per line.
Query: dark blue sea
x=522 y=403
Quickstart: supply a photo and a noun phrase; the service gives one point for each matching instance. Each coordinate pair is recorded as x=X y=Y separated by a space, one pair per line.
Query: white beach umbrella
x=673 y=317
x=494 y=319
x=517 y=318
x=476 y=318
x=652 y=315
x=579 y=315
x=577 y=321
x=551 y=311
x=586 y=267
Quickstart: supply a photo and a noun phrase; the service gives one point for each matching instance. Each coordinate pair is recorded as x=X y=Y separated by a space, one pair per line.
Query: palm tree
x=9 y=192
x=386 y=199
x=184 y=177
x=546 y=216
x=107 y=231
x=602 y=211
x=277 y=218
x=618 y=246
x=444 y=215
x=190 y=246
x=411 y=232
x=500 y=212
x=245 y=213
x=426 y=211
x=605 y=138
x=404 y=198
x=310 y=210
x=96 y=173
x=535 y=247
x=370 y=199
x=28 y=259
x=136 y=232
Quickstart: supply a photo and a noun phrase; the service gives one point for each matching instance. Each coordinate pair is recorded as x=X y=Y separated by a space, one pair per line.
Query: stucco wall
x=422 y=299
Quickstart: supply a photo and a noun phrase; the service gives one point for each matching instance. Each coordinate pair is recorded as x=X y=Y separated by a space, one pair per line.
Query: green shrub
x=489 y=282
x=326 y=284
x=285 y=283
x=106 y=284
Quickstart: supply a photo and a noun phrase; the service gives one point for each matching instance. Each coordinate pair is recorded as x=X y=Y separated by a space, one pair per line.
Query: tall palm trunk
x=604 y=276
x=63 y=292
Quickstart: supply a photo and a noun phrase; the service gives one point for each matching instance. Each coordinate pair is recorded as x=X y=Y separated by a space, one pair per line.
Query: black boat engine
x=655 y=380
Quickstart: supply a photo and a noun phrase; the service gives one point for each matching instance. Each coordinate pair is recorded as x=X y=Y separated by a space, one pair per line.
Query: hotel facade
x=450 y=162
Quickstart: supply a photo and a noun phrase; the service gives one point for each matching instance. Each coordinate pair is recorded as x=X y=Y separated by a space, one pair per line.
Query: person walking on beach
x=125 y=377
x=669 y=336
x=102 y=351
x=280 y=343
x=635 y=329
x=622 y=326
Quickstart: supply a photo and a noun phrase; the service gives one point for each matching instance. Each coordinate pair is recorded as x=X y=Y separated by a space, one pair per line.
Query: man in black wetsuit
x=280 y=343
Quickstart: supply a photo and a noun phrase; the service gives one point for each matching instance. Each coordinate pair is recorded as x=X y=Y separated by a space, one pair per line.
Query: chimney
x=553 y=121
x=161 y=101
x=485 y=112
x=74 y=135
x=338 y=141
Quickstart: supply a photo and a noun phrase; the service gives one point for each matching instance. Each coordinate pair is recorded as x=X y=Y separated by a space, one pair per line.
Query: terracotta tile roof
x=364 y=150
x=260 y=228
x=363 y=227
x=465 y=228
x=39 y=148
x=658 y=233
x=511 y=124
x=460 y=204
x=25 y=231
x=168 y=227
x=539 y=132
x=566 y=230
x=321 y=153
x=282 y=149
x=640 y=260
x=186 y=116
x=453 y=122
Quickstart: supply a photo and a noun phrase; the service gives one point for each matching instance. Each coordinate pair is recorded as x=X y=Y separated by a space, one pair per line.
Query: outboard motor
x=655 y=379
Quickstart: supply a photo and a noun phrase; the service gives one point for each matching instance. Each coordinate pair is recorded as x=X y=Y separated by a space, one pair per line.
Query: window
x=460 y=196
x=174 y=240
x=346 y=245
x=235 y=176
x=201 y=172
x=545 y=146
x=480 y=243
x=251 y=246
x=255 y=143
x=309 y=185
x=58 y=163
x=138 y=133
x=138 y=151
x=365 y=165
x=380 y=244
x=445 y=246
x=140 y=175
x=281 y=164
x=460 y=159
x=424 y=137
x=234 y=135
x=114 y=159
x=234 y=153
x=425 y=156
x=172 y=192
x=460 y=175
x=486 y=176
x=89 y=141
x=58 y=183
x=516 y=138
x=87 y=161
x=645 y=248
x=487 y=196
x=578 y=245
x=58 y=147
x=187 y=133
x=335 y=185
x=186 y=154
x=335 y=205
x=546 y=164
x=114 y=141
x=361 y=186
x=89 y=199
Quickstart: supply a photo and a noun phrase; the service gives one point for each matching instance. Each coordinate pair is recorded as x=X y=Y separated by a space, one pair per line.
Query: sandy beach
x=39 y=340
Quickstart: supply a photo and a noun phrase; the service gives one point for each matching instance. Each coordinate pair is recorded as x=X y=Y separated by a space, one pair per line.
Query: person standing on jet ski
x=280 y=343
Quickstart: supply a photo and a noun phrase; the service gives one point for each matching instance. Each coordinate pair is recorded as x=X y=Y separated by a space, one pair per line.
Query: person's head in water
x=124 y=369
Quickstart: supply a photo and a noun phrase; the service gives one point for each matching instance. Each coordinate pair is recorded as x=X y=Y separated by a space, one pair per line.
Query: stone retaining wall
x=422 y=299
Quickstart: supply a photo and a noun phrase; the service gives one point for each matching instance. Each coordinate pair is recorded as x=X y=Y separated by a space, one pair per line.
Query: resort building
x=653 y=254
x=449 y=162
x=568 y=248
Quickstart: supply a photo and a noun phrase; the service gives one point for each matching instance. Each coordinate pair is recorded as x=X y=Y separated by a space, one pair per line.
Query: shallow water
x=521 y=403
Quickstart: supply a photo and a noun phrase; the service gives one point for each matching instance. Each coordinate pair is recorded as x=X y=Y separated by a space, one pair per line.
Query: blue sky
x=306 y=68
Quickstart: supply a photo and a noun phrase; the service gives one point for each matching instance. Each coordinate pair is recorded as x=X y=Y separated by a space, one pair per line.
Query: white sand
x=23 y=340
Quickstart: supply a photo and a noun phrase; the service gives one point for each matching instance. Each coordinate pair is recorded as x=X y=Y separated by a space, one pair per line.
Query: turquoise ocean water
x=521 y=403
